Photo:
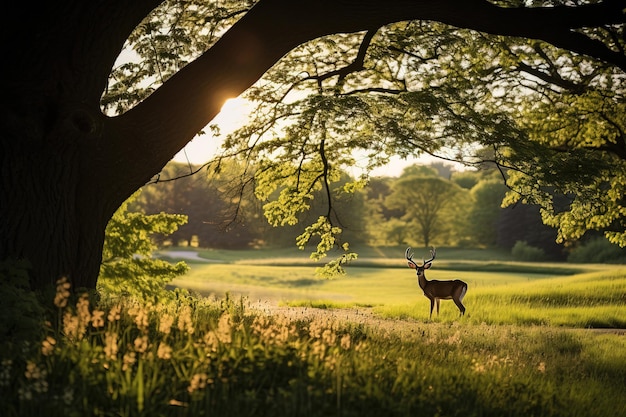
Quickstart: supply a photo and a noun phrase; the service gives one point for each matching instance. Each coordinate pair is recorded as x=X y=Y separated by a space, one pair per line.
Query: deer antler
x=433 y=253
x=409 y=257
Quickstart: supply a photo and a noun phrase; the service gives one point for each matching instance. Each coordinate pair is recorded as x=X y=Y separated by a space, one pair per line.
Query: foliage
x=425 y=88
x=196 y=357
x=405 y=89
x=223 y=212
x=598 y=250
x=522 y=251
x=128 y=266
x=522 y=222
x=172 y=36
x=21 y=314
x=577 y=152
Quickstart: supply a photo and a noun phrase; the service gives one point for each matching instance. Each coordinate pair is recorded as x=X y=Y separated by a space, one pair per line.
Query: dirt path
x=363 y=316
x=366 y=316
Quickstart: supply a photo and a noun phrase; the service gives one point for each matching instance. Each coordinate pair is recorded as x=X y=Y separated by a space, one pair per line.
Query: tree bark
x=66 y=167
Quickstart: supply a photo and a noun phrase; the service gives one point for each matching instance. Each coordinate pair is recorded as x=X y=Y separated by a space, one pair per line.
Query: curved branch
x=155 y=130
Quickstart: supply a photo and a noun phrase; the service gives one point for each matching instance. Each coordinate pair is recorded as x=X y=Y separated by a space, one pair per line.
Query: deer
x=437 y=290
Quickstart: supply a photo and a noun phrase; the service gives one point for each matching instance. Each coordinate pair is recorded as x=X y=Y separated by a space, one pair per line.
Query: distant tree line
x=425 y=205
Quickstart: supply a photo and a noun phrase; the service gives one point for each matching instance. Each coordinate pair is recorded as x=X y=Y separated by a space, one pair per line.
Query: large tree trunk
x=57 y=192
x=51 y=216
x=65 y=167
x=59 y=182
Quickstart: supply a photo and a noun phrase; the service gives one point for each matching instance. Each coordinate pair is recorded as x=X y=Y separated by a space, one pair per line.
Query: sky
x=233 y=115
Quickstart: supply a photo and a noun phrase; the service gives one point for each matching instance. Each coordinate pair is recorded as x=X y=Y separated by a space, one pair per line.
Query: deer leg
x=458 y=300
x=460 y=305
x=432 y=304
x=437 y=300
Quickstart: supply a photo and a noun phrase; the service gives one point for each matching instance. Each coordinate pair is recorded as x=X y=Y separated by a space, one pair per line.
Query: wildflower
x=5 y=372
x=114 y=313
x=345 y=341
x=318 y=349
x=281 y=333
x=141 y=344
x=315 y=329
x=541 y=367
x=224 y=329
x=97 y=318
x=62 y=293
x=478 y=367
x=82 y=309
x=164 y=351
x=184 y=320
x=141 y=316
x=165 y=323
x=211 y=341
x=128 y=360
x=70 y=325
x=198 y=381
x=110 y=345
x=38 y=380
x=329 y=337
x=259 y=324
x=47 y=346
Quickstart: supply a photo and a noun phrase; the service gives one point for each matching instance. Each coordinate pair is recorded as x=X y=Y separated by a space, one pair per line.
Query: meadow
x=259 y=335
x=500 y=291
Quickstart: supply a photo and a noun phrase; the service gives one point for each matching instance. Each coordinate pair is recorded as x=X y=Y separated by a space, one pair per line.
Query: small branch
x=355 y=66
x=325 y=177
x=189 y=174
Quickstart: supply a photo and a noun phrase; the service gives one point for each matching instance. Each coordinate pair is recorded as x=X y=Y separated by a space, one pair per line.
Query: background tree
x=67 y=164
x=427 y=201
x=522 y=223
x=219 y=215
x=485 y=211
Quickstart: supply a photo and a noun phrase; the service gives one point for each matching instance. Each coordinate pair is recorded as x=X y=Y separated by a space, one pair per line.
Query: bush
x=21 y=314
x=598 y=250
x=522 y=251
x=128 y=267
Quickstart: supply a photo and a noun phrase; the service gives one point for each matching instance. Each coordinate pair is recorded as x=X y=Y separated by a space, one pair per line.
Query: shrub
x=128 y=267
x=21 y=315
x=598 y=250
x=522 y=251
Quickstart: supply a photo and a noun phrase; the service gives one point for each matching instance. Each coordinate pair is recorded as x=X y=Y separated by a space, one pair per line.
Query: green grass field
x=500 y=291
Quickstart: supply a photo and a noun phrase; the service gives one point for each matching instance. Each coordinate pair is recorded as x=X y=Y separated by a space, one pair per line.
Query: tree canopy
x=539 y=83
x=551 y=119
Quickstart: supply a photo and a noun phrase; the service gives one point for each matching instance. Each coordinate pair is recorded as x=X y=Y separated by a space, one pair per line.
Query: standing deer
x=437 y=290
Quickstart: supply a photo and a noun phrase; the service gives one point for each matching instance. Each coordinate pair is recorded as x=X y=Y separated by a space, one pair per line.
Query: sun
x=234 y=114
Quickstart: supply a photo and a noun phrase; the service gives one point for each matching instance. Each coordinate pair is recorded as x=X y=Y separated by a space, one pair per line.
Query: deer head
x=425 y=264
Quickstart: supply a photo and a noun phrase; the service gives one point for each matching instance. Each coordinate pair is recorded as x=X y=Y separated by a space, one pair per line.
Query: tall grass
x=193 y=357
